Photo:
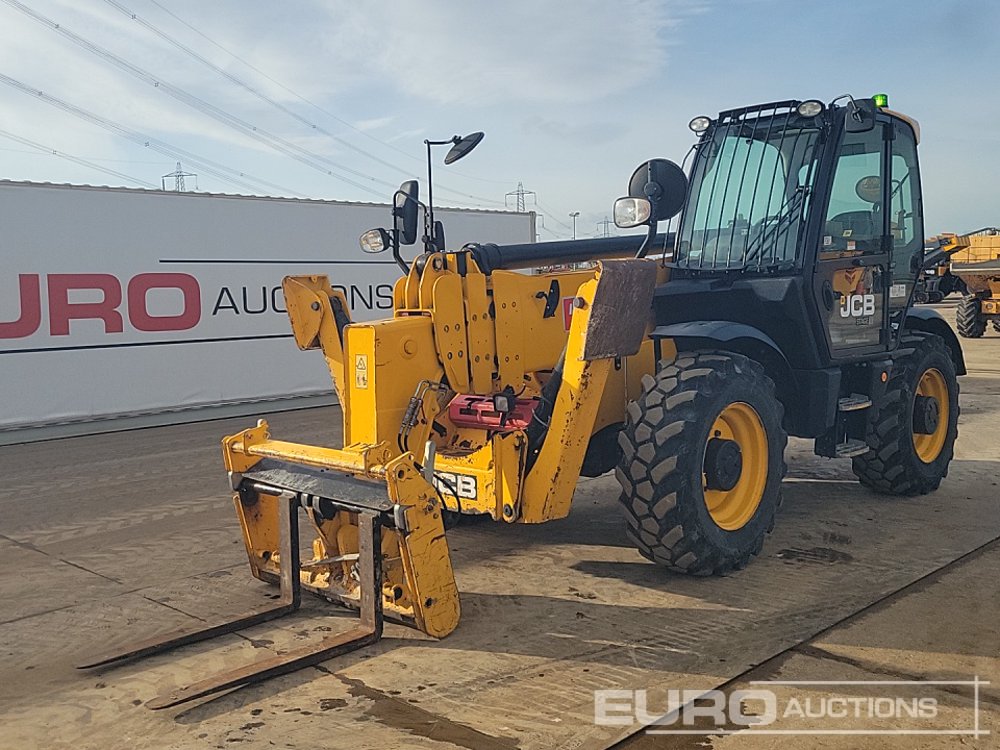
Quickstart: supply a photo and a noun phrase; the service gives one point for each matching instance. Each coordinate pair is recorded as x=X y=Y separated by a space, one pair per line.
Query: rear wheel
x=969 y=318
x=702 y=463
x=913 y=431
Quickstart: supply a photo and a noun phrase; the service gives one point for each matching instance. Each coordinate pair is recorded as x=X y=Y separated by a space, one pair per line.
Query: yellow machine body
x=454 y=330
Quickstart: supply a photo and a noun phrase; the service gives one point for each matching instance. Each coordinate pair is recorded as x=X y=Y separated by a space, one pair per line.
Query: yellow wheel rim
x=933 y=385
x=732 y=509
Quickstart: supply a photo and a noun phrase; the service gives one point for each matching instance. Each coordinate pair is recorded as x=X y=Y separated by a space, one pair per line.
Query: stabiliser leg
x=368 y=631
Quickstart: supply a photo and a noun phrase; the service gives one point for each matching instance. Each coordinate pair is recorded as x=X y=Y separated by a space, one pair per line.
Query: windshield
x=751 y=187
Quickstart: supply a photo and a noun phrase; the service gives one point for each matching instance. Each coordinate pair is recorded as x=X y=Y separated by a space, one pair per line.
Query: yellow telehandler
x=781 y=305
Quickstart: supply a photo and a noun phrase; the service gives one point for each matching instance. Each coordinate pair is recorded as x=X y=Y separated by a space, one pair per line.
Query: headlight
x=810 y=108
x=375 y=241
x=631 y=212
x=700 y=124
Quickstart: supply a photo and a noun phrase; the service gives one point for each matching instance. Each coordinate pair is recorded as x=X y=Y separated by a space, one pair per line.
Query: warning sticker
x=897 y=290
x=567 y=309
x=360 y=370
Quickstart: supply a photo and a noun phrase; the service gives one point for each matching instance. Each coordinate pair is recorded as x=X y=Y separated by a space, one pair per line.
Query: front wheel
x=702 y=463
x=913 y=429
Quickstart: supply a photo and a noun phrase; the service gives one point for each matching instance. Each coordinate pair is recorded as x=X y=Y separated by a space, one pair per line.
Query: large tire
x=697 y=397
x=969 y=318
x=904 y=460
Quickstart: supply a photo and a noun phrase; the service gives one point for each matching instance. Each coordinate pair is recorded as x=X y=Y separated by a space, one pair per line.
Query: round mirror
x=463 y=146
x=869 y=189
x=663 y=183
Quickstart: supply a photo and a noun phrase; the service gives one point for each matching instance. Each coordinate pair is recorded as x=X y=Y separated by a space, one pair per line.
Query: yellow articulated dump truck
x=780 y=306
x=975 y=259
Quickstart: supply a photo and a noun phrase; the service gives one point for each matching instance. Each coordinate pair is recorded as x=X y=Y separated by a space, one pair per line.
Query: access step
x=851 y=448
x=854 y=402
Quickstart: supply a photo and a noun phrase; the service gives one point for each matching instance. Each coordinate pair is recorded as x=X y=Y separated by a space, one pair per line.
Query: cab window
x=904 y=201
x=854 y=216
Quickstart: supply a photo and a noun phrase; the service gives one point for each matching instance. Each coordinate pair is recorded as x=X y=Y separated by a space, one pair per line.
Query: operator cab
x=811 y=213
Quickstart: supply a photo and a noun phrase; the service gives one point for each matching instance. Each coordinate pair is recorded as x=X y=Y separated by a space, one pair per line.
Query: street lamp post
x=573 y=217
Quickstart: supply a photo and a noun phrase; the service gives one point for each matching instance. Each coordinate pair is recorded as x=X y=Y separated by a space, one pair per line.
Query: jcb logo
x=460 y=485
x=857 y=305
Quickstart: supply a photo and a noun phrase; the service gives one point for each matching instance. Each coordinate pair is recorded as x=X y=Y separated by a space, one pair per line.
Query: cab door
x=852 y=270
x=906 y=223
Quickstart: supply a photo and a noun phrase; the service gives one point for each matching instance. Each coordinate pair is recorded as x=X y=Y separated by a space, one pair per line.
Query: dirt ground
x=109 y=538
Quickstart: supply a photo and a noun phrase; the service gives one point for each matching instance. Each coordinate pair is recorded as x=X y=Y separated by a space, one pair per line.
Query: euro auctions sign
x=106 y=306
x=122 y=302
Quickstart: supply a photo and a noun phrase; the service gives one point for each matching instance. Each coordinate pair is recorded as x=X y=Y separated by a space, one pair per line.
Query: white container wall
x=118 y=303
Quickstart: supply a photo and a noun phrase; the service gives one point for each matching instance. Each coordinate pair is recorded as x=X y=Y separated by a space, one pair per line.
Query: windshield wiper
x=786 y=215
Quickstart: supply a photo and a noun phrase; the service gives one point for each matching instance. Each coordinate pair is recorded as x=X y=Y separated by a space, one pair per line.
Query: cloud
x=497 y=53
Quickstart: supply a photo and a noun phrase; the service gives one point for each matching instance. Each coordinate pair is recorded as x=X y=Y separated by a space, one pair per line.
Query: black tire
x=969 y=318
x=663 y=457
x=893 y=466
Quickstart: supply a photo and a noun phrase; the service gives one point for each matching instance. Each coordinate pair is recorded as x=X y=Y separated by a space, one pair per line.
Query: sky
x=333 y=99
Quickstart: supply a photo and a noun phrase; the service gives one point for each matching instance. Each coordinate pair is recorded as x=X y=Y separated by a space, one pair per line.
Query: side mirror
x=404 y=212
x=860 y=117
x=664 y=186
x=462 y=147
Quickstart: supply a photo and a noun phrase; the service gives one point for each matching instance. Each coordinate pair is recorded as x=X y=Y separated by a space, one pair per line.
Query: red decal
x=139 y=315
x=61 y=310
x=567 y=308
x=31 y=309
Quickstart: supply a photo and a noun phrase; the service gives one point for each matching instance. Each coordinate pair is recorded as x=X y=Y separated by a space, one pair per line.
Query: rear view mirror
x=663 y=184
x=860 y=117
x=404 y=212
x=462 y=147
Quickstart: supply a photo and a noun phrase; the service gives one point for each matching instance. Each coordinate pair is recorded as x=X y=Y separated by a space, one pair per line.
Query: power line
x=232 y=176
x=242 y=84
x=312 y=104
x=273 y=141
x=159 y=163
x=269 y=100
x=548 y=213
x=77 y=159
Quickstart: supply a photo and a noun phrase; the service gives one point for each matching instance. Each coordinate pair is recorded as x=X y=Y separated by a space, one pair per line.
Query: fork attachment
x=368 y=630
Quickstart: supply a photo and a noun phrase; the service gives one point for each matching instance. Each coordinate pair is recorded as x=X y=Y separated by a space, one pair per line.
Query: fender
x=737 y=337
x=809 y=397
x=931 y=321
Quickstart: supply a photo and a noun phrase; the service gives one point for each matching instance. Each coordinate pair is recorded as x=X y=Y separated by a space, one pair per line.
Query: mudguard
x=931 y=321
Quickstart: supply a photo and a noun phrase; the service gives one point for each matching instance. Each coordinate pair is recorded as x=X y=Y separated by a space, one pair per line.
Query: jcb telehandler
x=781 y=305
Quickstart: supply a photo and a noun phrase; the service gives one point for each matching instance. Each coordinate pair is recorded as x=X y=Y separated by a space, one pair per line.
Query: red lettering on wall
x=138 y=314
x=31 y=309
x=62 y=311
